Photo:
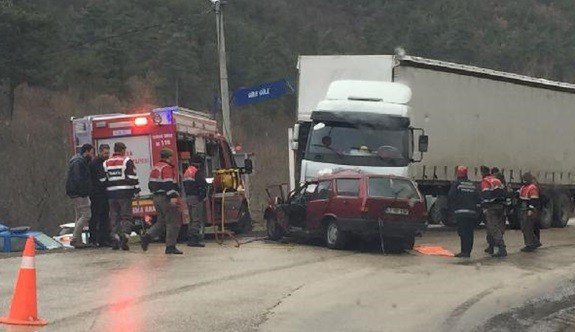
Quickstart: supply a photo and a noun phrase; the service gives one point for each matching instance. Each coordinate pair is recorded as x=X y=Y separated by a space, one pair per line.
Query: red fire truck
x=185 y=131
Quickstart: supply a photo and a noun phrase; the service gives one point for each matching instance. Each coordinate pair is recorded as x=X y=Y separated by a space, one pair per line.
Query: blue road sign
x=269 y=90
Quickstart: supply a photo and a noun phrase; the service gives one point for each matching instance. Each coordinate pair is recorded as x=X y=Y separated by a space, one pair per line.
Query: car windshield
x=358 y=145
x=392 y=188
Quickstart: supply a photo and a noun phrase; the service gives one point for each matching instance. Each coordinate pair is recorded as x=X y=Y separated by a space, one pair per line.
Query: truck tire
x=547 y=213
x=335 y=238
x=273 y=230
x=439 y=214
x=563 y=210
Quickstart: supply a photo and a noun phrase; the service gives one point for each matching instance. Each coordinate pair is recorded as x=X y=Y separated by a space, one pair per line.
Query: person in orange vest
x=493 y=199
x=195 y=186
x=530 y=212
x=122 y=186
x=164 y=186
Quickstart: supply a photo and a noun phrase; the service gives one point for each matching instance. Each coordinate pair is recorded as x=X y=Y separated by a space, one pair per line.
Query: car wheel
x=274 y=231
x=393 y=245
x=409 y=242
x=335 y=238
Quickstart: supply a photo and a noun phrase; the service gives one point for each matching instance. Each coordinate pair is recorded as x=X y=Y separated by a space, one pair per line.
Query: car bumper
x=370 y=228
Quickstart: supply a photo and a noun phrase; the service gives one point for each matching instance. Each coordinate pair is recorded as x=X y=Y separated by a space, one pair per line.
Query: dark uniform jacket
x=463 y=197
x=78 y=183
x=98 y=177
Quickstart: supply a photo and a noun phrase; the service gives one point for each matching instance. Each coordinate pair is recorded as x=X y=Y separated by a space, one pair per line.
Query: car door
x=346 y=204
x=318 y=204
x=297 y=205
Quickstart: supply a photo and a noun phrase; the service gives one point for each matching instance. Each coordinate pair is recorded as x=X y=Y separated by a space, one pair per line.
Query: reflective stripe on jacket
x=121 y=179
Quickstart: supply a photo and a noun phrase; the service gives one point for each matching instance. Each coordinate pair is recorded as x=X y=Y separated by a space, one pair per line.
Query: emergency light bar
x=140 y=122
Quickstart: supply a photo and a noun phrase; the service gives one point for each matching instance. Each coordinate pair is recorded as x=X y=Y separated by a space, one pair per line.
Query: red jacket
x=529 y=196
x=163 y=180
x=492 y=191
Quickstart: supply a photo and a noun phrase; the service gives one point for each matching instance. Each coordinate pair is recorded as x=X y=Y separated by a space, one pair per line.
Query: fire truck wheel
x=335 y=238
x=244 y=224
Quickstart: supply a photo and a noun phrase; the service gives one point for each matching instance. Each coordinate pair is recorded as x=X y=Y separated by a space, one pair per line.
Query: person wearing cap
x=163 y=184
x=530 y=212
x=122 y=186
x=195 y=186
x=463 y=201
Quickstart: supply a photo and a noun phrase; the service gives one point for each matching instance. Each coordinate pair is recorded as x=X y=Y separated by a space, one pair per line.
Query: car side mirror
x=423 y=143
x=248 y=166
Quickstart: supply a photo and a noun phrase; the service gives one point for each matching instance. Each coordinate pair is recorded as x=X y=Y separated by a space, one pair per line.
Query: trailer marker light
x=141 y=121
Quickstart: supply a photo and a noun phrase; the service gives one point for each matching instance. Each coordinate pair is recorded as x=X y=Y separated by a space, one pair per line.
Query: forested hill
x=72 y=57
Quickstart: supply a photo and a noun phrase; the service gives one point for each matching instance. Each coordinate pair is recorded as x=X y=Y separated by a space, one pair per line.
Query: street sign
x=269 y=90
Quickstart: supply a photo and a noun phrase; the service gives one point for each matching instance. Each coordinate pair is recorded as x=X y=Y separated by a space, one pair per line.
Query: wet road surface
x=293 y=286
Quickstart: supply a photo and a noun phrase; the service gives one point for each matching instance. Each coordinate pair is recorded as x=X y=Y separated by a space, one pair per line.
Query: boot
x=528 y=249
x=78 y=244
x=195 y=242
x=501 y=252
x=489 y=250
x=463 y=255
x=146 y=239
x=172 y=250
x=124 y=243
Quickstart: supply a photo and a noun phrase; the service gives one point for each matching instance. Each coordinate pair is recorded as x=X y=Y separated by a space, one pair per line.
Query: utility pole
x=225 y=96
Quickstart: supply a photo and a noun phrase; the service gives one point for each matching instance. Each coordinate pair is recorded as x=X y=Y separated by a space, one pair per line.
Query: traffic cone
x=23 y=309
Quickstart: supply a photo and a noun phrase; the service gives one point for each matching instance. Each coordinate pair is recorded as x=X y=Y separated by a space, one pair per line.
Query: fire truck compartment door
x=138 y=148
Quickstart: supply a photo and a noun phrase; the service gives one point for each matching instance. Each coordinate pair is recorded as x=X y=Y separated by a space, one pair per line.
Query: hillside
x=74 y=57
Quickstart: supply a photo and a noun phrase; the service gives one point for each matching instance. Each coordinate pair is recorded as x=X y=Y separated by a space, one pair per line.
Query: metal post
x=226 y=127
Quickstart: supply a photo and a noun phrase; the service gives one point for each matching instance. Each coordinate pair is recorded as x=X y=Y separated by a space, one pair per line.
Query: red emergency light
x=140 y=122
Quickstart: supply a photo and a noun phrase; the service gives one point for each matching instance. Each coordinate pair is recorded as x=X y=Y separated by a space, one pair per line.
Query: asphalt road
x=300 y=287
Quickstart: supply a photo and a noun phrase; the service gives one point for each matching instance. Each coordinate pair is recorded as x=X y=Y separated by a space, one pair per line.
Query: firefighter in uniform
x=463 y=200
x=122 y=185
x=530 y=213
x=164 y=186
x=195 y=186
x=493 y=199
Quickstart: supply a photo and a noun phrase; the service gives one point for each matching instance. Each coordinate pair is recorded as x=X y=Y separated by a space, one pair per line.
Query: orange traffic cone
x=23 y=309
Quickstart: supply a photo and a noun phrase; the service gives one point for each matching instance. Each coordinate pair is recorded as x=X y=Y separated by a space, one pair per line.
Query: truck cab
x=362 y=125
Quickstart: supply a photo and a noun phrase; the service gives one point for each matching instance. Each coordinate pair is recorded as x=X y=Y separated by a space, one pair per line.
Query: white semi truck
x=417 y=117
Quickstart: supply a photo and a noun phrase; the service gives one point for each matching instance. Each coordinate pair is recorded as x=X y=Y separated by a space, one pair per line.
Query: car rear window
x=347 y=187
x=392 y=188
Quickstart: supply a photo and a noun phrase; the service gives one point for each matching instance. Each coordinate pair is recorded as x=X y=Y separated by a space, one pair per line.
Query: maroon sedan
x=349 y=204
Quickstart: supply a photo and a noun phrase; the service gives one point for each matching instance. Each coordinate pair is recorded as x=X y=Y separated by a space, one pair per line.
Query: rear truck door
x=347 y=202
x=318 y=203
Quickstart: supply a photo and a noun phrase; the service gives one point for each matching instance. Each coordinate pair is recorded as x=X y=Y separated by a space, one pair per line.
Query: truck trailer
x=418 y=117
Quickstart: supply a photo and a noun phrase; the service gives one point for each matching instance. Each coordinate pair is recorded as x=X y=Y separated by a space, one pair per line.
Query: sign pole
x=226 y=126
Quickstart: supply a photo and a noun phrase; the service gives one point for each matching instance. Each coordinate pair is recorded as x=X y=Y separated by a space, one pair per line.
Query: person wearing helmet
x=463 y=201
x=530 y=212
x=493 y=200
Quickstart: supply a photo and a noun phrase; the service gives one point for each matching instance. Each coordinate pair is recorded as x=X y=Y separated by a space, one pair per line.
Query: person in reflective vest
x=163 y=184
x=195 y=186
x=493 y=199
x=530 y=212
x=122 y=186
